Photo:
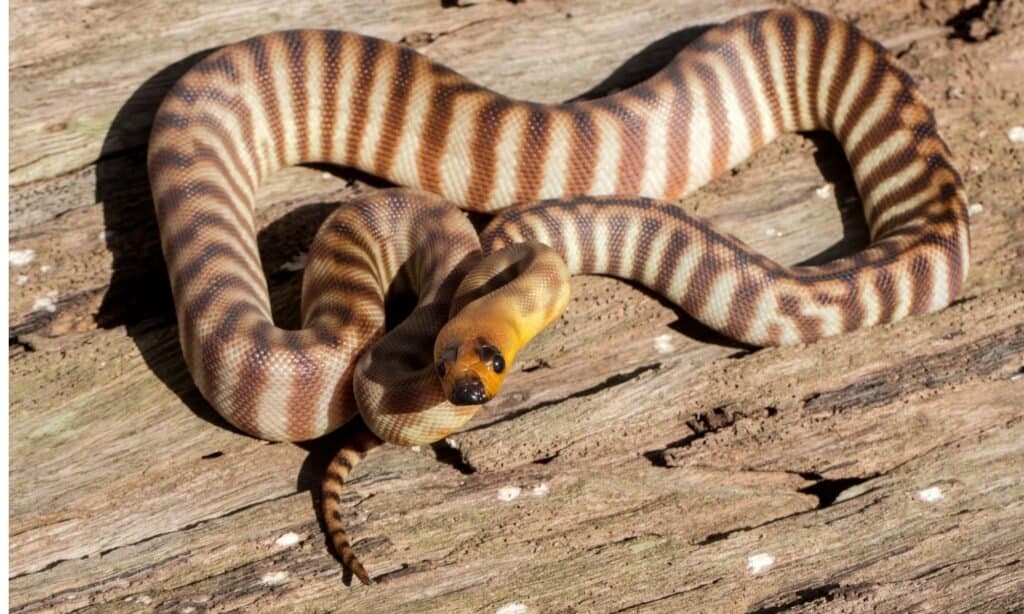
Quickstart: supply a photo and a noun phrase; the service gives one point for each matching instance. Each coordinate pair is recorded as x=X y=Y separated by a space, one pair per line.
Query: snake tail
x=344 y=461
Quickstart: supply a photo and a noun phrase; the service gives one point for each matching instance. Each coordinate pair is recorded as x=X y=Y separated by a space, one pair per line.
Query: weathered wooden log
x=634 y=462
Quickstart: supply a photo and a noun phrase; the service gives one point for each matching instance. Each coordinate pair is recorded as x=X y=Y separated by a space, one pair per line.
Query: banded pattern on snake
x=286 y=98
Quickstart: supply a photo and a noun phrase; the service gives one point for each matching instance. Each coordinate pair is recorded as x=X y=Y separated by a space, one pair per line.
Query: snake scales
x=287 y=98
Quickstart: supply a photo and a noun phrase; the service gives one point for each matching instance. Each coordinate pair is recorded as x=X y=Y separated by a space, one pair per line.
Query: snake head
x=471 y=371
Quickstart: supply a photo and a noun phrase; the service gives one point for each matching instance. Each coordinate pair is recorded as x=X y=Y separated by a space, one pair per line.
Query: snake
x=583 y=187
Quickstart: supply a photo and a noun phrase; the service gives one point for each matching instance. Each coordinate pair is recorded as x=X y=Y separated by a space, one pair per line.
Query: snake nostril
x=468 y=390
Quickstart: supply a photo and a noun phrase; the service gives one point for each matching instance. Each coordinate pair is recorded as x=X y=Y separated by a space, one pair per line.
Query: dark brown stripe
x=821 y=34
x=888 y=124
x=306 y=376
x=236 y=107
x=738 y=79
x=232 y=149
x=921 y=281
x=437 y=127
x=184 y=92
x=190 y=271
x=213 y=290
x=755 y=36
x=268 y=97
x=362 y=88
x=585 y=221
x=808 y=327
x=223 y=336
x=900 y=195
x=648 y=231
x=896 y=162
x=851 y=306
x=170 y=201
x=199 y=224
x=242 y=398
x=678 y=166
x=632 y=138
x=742 y=307
x=582 y=152
x=544 y=217
x=166 y=158
x=676 y=246
x=786 y=27
x=885 y=291
x=484 y=148
x=219 y=65
x=329 y=95
x=698 y=292
x=168 y=120
x=395 y=112
x=719 y=124
x=295 y=46
x=845 y=65
x=617 y=224
x=894 y=225
x=866 y=97
x=533 y=153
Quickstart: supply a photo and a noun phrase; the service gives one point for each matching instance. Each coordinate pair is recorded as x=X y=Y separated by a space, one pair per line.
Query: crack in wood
x=703 y=424
x=804 y=596
x=828 y=490
x=640 y=604
x=611 y=382
x=186 y=527
x=445 y=451
x=977 y=359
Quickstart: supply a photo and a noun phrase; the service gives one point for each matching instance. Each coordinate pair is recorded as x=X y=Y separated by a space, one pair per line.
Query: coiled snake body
x=306 y=96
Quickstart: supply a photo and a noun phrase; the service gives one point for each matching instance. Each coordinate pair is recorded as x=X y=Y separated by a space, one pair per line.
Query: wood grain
x=658 y=468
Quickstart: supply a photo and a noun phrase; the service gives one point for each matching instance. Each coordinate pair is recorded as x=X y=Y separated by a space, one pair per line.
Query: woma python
x=586 y=178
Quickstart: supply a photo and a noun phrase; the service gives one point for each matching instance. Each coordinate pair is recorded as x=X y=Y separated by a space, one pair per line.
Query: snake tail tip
x=358 y=570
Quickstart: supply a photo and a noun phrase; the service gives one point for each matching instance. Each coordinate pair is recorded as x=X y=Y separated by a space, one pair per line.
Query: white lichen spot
x=508 y=493
x=772 y=232
x=931 y=494
x=451 y=443
x=297 y=263
x=758 y=563
x=144 y=599
x=824 y=191
x=44 y=269
x=512 y=608
x=540 y=490
x=663 y=343
x=288 y=539
x=188 y=610
x=975 y=209
x=415 y=448
x=275 y=578
x=21 y=257
x=46 y=303
x=106 y=235
x=21 y=280
x=325 y=176
x=1016 y=134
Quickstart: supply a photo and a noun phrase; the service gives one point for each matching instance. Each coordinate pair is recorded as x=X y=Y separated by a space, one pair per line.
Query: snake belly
x=294 y=97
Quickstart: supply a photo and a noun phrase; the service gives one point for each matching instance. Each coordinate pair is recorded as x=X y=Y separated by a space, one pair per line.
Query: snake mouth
x=468 y=390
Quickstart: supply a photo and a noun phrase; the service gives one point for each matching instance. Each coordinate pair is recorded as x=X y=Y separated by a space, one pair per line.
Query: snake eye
x=498 y=363
x=440 y=368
